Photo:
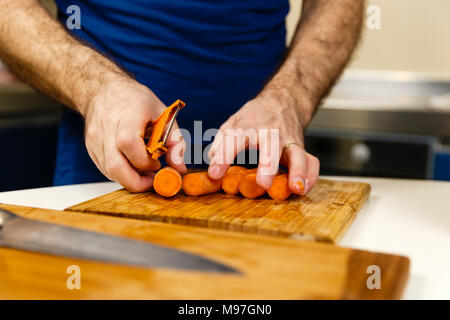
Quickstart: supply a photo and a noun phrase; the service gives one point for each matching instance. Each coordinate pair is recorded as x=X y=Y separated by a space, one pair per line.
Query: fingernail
x=300 y=184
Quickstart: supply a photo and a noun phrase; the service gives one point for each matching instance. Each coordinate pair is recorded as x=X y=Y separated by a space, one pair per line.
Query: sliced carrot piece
x=280 y=188
x=230 y=182
x=199 y=183
x=248 y=187
x=167 y=182
x=236 y=169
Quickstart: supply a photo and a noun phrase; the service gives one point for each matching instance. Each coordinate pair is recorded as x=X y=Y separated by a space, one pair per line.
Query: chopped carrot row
x=168 y=182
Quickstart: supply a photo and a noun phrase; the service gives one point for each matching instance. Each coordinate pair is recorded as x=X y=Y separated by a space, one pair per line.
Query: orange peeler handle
x=156 y=145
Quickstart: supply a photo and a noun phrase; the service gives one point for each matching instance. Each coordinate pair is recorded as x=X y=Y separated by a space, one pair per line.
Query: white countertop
x=406 y=217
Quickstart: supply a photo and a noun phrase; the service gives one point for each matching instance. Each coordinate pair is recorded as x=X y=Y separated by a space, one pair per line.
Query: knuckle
x=222 y=132
x=316 y=160
x=111 y=168
x=298 y=168
x=228 y=123
x=318 y=164
x=253 y=121
x=124 y=141
x=91 y=133
x=276 y=122
x=142 y=161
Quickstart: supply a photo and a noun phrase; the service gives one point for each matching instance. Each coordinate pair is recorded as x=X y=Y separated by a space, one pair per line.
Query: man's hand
x=117 y=109
x=117 y=119
x=268 y=111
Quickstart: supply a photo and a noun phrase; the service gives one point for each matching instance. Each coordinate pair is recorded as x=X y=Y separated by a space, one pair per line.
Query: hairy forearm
x=326 y=35
x=40 y=51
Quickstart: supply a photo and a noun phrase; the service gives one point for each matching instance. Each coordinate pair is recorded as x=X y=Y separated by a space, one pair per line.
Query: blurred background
x=388 y=115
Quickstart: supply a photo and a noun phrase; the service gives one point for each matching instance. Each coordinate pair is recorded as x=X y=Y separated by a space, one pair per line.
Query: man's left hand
x=270 y=110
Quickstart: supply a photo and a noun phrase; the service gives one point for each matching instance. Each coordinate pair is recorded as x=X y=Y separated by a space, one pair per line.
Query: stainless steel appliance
x=386 y=124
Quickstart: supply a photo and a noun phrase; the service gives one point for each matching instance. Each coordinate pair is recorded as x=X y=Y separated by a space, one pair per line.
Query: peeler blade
x=170 y=125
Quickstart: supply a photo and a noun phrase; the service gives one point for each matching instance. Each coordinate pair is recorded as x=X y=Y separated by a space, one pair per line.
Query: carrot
x=199 y=183
x=248 y=187
x=236 y=169
x=300 y=184
x=230 y=182
x=280 y=188
x=167 y=182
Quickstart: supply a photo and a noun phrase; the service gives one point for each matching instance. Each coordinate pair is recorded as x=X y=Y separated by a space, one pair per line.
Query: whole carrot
x=199 y=183
x=248 y=187
x=280 y=188
x=167 y=182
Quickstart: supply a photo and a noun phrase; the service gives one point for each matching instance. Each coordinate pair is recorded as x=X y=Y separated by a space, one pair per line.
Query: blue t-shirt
x=213 y=54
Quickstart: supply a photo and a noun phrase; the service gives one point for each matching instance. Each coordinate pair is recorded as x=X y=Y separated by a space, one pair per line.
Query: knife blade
x=31 y=235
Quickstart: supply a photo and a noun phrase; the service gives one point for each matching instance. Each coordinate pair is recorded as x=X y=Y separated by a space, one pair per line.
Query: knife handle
x=5 y=216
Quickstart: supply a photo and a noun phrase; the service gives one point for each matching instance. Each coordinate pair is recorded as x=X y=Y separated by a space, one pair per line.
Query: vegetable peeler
x=156 y=146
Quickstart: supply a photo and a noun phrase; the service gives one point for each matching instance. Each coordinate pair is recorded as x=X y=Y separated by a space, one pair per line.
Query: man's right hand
x=116 y=120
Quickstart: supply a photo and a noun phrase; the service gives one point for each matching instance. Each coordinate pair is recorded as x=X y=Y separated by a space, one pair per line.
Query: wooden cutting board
x=271 y=268
x=323 y=215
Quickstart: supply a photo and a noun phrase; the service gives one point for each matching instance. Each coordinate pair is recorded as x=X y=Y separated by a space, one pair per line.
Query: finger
x=220 y=143
x=216 y=168
x=232 y=142
x=118 y=168
x=312 y=173
x=216 y=143
x=148 y=173
x=156 y=165
x=176 y=149
x=130 y=141
x=296 y=161
x=269 y=158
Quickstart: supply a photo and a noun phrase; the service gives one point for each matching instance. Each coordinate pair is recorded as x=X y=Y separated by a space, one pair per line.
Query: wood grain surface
x=324 y=214
x=271 y=268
